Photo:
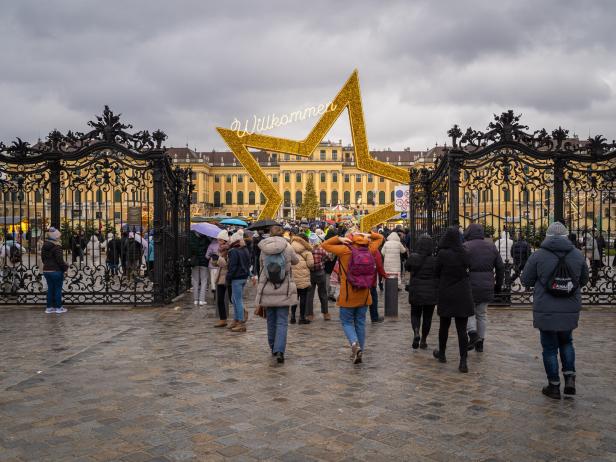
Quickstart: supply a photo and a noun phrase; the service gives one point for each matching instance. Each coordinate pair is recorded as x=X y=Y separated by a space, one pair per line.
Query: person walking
x=357 y=267
x=213 y=250
x=520 y=251
x=132 y=251
x=455 y=298
x=238 y=271
x=329 y=267
x=301 y=275
x=113 y=250
x=318 y=277
x=557 y=271
x=78 y=245
x=487 y=272
x=219 y=260
x=276 y=290
x=93 y=251
x=11 y=254
x=421 y=266
x=199 y=267
x=381 y=274
x=392 y=251
x=54 y=268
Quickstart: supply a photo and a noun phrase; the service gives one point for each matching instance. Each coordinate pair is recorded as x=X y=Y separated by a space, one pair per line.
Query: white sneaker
x=196 y=302
x=61 y=310
x=50 y=310
x=202 y=303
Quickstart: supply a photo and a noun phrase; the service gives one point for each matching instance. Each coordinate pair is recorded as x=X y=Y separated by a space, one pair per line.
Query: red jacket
x=378 y=258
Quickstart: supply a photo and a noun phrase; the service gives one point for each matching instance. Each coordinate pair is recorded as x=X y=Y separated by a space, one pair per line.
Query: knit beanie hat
x=223 y=235
x=53 y=234
x=557 y=229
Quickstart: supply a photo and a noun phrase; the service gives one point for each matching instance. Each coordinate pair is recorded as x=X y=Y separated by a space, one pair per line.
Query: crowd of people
x=458 y=276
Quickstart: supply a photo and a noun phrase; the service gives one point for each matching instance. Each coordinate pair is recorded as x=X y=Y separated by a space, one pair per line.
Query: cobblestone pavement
x=164 y=385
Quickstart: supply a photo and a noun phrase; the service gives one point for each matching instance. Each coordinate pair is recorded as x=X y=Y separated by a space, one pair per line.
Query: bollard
x=391 y=297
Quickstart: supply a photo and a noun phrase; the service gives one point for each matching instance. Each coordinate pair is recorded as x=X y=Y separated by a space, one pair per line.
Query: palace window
x=347 y=197
x=322 y=177
x=358 y=197
x=287 y=177
x=381 y=197
x=334 y=198
x=347 y=178
x=287 y=199
x=240 y=198
x=274 y=178
x=335 y=177
x=216 y=178
x=240 y=178
x=334 y=154
x=298 y=198
x=369 y=177
x=287 y=157
x=228 y=178
x=323 y=155
x=298 y=177
x=262 y=198
x=323 y=198
x=251 y=197
x=228 y=198
x=358 y=178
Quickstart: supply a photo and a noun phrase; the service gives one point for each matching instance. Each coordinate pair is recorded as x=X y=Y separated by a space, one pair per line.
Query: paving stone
x=165 y=385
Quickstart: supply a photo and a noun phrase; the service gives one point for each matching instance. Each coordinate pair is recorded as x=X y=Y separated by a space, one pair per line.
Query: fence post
x=54 y=177
x=559 y=190
x=427 y=189
x=159 y=230
x=454 y=188
x=412 y=218
x=176 y=230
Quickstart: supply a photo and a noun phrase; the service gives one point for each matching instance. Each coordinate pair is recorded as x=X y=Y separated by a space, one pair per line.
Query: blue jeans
x=237 y=294
x=54 y=288
x=374 y=308
x=354 y=324
x=277 y=323
x=553 y=342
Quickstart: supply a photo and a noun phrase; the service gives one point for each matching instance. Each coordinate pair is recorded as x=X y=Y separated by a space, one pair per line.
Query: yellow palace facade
x=222 y=185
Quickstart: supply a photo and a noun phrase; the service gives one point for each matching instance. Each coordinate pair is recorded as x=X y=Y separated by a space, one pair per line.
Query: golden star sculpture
x=348 y=97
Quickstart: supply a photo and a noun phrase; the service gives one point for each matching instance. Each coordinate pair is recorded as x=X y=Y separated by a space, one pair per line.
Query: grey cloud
x=189 y=66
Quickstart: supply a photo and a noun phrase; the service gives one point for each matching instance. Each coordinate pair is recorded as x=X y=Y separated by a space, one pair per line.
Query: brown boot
x=310 y=317
x=221 y=323
x=233 y=324
x=327 y=317
x=241 y=327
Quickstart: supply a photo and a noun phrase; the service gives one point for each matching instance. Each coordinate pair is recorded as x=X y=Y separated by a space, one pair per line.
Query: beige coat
x=301 y=272
x=268 y=294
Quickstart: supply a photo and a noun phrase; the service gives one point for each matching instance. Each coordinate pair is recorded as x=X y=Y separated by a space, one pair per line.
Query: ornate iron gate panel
x=515 y=183
x=99 y=188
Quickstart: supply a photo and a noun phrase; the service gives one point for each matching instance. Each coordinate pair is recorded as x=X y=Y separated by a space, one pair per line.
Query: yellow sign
x=348 y=97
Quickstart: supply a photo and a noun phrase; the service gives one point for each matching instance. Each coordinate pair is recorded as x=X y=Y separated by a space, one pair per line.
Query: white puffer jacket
x=503 y=245
x=391 y=251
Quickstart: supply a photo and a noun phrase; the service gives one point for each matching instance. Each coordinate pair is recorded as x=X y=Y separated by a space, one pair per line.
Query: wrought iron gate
x=97 y=188
x=515 y=183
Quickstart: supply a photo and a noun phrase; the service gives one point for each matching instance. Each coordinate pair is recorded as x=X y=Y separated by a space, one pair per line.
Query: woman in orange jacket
x=357 y=269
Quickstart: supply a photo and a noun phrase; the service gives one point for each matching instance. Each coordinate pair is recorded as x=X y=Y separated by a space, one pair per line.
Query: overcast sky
x=189 y=66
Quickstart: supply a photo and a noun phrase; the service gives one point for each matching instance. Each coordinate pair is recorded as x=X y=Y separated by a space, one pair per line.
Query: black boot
x=473 y=338
x=569 y=384
x=280 y=357
x=440 y=355
x=463 y=366
x=416 y=338
x=423 y=345
x=479 y=346
x=552 y=391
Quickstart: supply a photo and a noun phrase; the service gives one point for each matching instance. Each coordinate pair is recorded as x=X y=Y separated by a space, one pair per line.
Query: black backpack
x=14 y=254
x=562 y=282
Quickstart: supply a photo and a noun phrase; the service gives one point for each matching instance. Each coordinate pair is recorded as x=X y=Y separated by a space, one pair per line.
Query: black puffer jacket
x=455 y=298
x=421 y=264
x=198 y=248
x=485 y=260
x=51 y=255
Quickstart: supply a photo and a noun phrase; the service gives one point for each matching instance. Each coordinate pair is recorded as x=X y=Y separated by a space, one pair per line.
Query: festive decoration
x=310 y=205
x=348 y=97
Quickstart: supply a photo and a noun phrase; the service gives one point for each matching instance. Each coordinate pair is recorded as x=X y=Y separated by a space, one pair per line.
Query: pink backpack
x=362 y=268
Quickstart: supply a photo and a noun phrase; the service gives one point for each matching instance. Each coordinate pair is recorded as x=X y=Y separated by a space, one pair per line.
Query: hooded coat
x=93 y=249
x=391 y=251
x=301 y=272
x=485 y=261
x=503 y=245
x=421 y=265
x=455 y=298
x=268 y=294
x=198 y=248
x=554 y=313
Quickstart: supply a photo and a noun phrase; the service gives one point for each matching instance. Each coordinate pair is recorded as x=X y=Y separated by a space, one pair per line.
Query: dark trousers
x=318 y=279
x=443 y=334
x=54 y=288
x=419 y=311
x=553 y=343
x=222 y=302
x=303 y=295
x=374 y=308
